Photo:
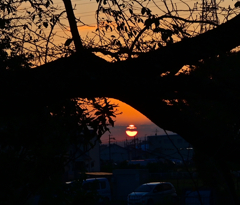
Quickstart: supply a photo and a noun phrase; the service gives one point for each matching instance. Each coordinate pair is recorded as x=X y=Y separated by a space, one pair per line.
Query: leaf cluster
x=125 y=29
x=36 y=143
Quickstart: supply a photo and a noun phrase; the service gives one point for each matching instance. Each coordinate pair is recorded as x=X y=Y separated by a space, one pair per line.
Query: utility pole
x=134 y=144
x=109 y=145
x=145 y=142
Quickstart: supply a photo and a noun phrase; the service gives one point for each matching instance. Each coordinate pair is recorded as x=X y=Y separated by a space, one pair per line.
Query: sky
x=85 y=10
x=130 y=116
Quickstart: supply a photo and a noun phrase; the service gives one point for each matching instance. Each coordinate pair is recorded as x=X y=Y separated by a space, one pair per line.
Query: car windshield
x=93 y=185
x=144 y=188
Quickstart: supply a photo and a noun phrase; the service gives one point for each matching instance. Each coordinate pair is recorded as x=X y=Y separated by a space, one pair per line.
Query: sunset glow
x=129 y=114
x=84 y=27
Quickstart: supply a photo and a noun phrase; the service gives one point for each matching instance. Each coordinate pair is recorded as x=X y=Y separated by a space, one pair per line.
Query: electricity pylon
x=209 y=13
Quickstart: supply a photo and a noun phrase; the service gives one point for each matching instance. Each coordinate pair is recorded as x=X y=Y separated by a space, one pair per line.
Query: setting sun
x=131 y=131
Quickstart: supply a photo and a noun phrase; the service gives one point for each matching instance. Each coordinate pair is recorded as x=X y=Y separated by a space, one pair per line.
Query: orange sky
x=130 y=116
x=85 y=10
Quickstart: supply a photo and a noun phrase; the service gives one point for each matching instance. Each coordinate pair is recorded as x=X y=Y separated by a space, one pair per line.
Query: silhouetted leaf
x=140 y=20
x=237 y=4
x=148 y=23
x=157 y=22
x=47 y=4
x=170 y=41
x=68 y=42
x=148 y=11
x=119 y=43
x=45 y=24
x=160 y=45
x=156 y=30
x=176 y=29
x=169 y=33
x=111 y=122
x=164 y=36
x=106 y=27
x=143 y=11
x=130 y=11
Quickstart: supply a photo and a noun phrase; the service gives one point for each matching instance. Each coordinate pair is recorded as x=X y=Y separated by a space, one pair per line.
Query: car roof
x=93 y=179
x=89 y=180
x=156 y=183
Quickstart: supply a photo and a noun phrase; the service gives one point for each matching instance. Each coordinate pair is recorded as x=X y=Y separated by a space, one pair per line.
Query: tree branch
x=219 y=40
x=160 y=18
x=98 y=78
x=73 y=25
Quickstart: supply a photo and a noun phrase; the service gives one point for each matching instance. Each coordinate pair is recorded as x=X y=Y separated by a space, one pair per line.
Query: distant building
x=170 y=147
x=117 y=153
x=82 y=158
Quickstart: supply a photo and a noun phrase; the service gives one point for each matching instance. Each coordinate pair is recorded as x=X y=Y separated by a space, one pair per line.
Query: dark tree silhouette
x=200 y=105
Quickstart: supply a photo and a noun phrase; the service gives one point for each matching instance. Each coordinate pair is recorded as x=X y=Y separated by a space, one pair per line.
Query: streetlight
x=132 y=132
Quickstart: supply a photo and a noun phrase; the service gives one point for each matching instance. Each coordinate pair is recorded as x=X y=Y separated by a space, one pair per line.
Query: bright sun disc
x=131 y=133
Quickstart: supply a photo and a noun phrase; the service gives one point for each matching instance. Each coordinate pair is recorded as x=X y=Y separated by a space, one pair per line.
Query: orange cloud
x=82 y=28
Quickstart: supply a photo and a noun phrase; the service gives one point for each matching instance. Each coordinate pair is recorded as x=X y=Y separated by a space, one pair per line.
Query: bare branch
x=73 y=25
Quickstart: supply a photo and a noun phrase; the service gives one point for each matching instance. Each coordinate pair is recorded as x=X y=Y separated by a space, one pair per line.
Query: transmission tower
x=209 y=13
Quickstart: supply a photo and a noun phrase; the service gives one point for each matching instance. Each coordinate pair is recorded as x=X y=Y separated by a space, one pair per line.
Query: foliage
x=127 y=28
x=203 y=98
x=211 y=103
x=34 y=141
x=27 y=29
x=34 y=146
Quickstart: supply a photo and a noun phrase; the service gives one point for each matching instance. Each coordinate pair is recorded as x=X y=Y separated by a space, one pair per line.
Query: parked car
x=94 y=190
x=101 y=185
x=153 y=193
